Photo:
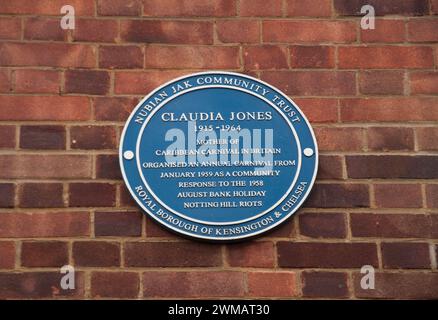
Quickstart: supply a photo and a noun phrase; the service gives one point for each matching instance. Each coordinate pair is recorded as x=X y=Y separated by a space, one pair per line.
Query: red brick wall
x=371 y=96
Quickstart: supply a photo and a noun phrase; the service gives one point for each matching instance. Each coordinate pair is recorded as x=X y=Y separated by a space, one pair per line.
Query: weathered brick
x=7 y=195
x=37 y=81
x=126 y=199
x=385 y=57
x=272 y=284
x=115 y=284
x=107 y=167
x=113 y=109
x=434 y=6
x=382 y=7
x=93 y=137
x=178 y=284
x=312 y=57
x=339 y=196
x=47 y=54
x=390 y=138
x=185 y=254
x=424 y=82
x=5 y=81
x=238 y=31
x=397 y=195
x=189 y=8
x=322 y=225
x=381 y=82
x=7 y=252
x=252 y=254
x=120 y=57
x=44 y=108
x=40 y=195
x=340 y=139
x=192 y=57
x=326 y=255
x=172 y=32
x=10 y=28
x=119 y=7
x=45 y=166
x=318 y=284
x=36 y=225
x=309 y=31
x=96 y=254
x=44 y=254
x=432 y=195
x=397 y=167
x=423 y=30
x=265 y=57
x=118 y=224
x=330 y=167
x=7 y=137
x=405 y=255
x=39 y=28
x=284 y=230
x=42 y=137
x=94 y=30
x=85 y=81
x=426 y=138
x=92 y=194
x=260 y=8
x=318 y=83
x=142 y=82
x=45 y=7
x=317 y=8
x=386 y=30
x=319 y=109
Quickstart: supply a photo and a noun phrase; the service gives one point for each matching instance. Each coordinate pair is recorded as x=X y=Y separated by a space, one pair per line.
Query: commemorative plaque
x=218 y=156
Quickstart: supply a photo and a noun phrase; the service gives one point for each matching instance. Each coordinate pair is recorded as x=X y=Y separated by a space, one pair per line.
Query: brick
x=47 y=54
x=319 y=284
x=265 y=57
x=120 y=57
x=43 y=225
x=397 y=167
x=177 y=57
x=113 y=109
x=312 y=57
x=385 y=57
x=45 y=7
x=339 y=196
x=45 y=166
x=185 y=254
x=44 y=254
x=308 y=31
x=148 y=31
x=318 y=83
x=189 y=8
x=96 y=254
x=29 y=108
x=38 y=285
x=85 y=81
x=386 y=30
x=382 y=7
x=7 y=252
x=118 y=224
x=39 y=28
x=7 y=137
x=423 y=30
x=330 y=167
x=94 y=30
x=426 y=138
x=434 y=6
x=398 y=195
x=390 y=285
x=424 y=82
x=284 y=230
x=326 y=255
x=10 y=28
x=7 y=195
x=37 y=81
x=155 y=230
x=432 y=195
x=381 y=82
x=390 y=225
x=252 y=254
x=238 y=31
x=318 y=8
x=389 y=109
x=40 y=195
x=142 y=82
x=272 y=284
x=260 y=8
x=319 y=109
x=126 y=199
x=405 y=255
x=42 y=137
x=119 y=7
x=92 y=194
x=322 y=225
x=167 y=284
x=107 y=167
x=93 y=137
x=390 y=138
x=115 y=284
x=340 y=139
x=5 y=81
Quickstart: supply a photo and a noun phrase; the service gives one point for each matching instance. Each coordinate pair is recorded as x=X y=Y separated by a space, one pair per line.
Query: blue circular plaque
x=218 y=156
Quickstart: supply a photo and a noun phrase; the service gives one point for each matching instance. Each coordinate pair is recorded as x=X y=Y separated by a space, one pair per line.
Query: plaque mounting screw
x=308 y=152
x=128 y=155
